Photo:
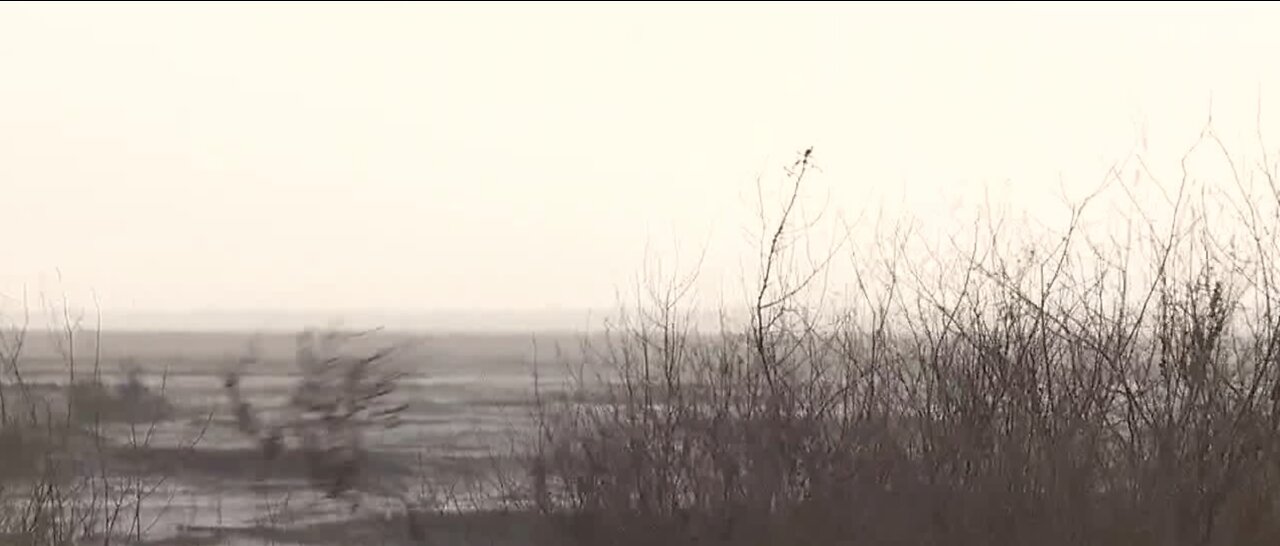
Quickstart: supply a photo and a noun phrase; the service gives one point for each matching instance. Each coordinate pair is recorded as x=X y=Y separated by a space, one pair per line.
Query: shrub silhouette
x=337 y=398
x=1068 y=392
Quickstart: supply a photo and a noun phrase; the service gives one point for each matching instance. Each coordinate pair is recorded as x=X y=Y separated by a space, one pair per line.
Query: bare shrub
x=60 y=482
x=338 y=398
x=1076 y=389
x=129 y=402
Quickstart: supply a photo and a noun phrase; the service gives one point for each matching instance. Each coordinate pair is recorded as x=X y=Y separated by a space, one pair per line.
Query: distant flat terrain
x=467 y=393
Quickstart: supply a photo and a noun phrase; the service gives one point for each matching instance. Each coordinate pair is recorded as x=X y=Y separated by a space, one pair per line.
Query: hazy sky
x=429 y=156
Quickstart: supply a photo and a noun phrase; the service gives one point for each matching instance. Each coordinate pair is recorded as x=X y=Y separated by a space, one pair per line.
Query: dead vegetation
x=338 y=398
x=60 y=482
x=1079 y=389
x=1071 y=386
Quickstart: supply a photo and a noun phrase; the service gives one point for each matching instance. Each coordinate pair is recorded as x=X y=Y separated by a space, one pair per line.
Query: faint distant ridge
x=450 y=320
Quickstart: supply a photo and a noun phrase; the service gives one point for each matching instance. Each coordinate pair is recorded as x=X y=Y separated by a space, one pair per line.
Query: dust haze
x=622 y=273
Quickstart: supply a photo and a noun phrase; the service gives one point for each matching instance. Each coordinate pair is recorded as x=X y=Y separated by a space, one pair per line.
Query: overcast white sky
x=428 y=156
